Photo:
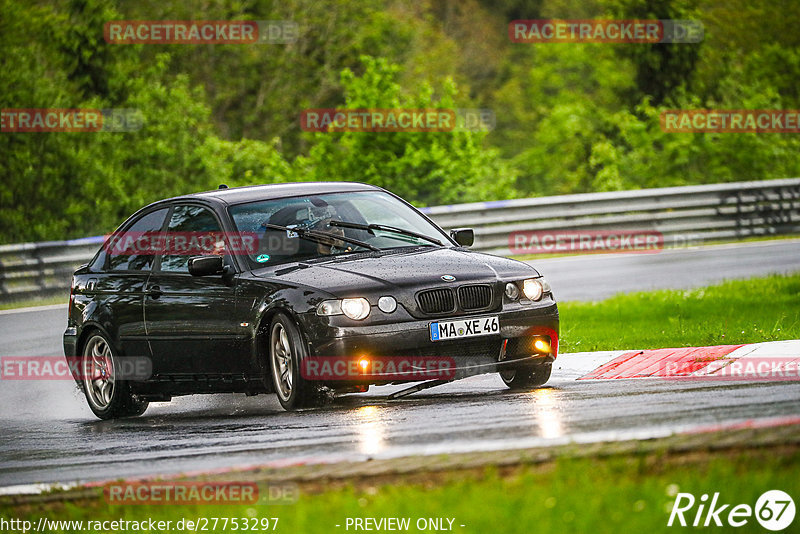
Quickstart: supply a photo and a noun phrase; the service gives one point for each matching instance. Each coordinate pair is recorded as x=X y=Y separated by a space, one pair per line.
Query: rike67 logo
x=774 y=510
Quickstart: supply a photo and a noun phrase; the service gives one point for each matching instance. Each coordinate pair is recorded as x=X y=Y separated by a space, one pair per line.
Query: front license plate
x=480 y=326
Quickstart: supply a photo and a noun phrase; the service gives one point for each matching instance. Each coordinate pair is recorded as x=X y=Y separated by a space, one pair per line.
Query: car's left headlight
x=534 y=288
x=354 y=308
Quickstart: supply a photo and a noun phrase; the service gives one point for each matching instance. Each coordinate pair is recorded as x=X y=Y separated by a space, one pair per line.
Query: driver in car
x=336 y=246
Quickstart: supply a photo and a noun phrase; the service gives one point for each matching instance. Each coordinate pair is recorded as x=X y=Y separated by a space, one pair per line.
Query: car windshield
x=302 y=228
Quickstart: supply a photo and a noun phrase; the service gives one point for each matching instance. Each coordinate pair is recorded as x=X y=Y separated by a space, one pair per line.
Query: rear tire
x=108 y=397
x=286 y=353
x=527 y=377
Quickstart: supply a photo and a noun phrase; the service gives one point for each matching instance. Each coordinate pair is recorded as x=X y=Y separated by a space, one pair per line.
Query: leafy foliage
x=570 y=117
x=425 y=167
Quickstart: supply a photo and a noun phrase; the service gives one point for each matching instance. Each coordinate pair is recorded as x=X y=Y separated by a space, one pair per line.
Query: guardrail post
x=3 y=288
x=41 y=279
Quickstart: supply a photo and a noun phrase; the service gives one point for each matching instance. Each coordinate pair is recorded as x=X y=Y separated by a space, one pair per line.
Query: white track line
x=574 y=366
x=577 y=364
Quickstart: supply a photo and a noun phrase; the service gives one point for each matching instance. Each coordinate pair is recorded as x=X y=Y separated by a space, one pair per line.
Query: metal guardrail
x=683 y=215
x=39 y=270
x=689 y=214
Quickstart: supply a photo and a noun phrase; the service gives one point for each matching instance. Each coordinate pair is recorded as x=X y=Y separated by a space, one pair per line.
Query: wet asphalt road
x=49 y=435
x=599 y=277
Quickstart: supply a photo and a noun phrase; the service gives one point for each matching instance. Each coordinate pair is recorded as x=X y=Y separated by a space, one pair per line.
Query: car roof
x=235 y=195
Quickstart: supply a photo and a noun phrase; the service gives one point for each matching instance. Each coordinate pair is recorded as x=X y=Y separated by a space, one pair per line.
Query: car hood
x=391 y=269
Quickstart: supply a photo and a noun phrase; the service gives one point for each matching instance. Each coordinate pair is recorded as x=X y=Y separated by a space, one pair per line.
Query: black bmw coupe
x=301 y=289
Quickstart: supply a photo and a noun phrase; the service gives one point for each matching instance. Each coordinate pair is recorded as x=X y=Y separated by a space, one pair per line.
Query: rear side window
x=187 y=221
x=125 y=251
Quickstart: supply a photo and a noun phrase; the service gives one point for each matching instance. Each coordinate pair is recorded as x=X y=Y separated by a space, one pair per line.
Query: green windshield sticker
x=262 y=258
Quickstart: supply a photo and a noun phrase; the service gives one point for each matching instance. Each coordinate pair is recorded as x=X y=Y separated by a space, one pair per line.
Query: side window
x=191 y=230
x=128 y=250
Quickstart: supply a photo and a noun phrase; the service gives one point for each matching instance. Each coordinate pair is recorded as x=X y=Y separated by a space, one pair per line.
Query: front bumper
x=410 y=340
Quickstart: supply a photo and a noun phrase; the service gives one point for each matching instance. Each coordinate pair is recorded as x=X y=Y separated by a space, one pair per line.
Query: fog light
x=541 y=345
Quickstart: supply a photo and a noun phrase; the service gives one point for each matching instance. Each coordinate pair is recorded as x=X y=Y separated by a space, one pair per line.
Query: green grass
x=613 y=494
x=741 y=311
x=33 y=302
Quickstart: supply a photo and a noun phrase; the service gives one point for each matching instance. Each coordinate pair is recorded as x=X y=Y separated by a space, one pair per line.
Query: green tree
x=662 y=69
x=60 y=185
x=424 y=167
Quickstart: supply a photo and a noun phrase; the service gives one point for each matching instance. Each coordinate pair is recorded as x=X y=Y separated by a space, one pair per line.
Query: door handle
x=153 y=291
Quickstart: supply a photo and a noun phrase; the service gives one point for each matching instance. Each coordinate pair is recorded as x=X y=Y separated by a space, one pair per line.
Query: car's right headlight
x=355 y=308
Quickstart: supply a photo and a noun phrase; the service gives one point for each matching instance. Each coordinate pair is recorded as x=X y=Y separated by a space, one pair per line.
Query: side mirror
x=463 y=236
x=206 y=265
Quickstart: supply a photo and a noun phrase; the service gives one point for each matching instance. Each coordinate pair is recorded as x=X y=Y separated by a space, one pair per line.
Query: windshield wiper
x=384 y=228
x=320 y=237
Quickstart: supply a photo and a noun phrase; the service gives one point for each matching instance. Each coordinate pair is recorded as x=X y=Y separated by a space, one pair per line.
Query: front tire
x=286 y=353
x=107 y=396
x=527 y=377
